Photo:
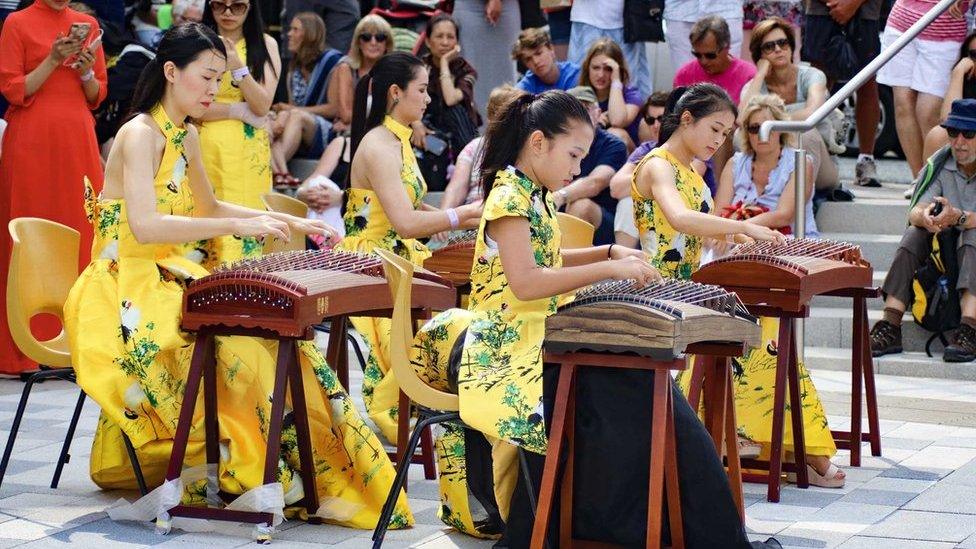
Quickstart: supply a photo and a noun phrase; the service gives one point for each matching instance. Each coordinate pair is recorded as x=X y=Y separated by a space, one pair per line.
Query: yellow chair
x=576 y=233
x=282 y=203
x=36 y=285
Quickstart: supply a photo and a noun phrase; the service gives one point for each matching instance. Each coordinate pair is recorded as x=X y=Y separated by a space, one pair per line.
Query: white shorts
x=922 y=65
x=623 y=220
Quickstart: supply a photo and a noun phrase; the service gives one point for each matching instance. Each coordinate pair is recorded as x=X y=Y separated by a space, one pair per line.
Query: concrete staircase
x=875 y=221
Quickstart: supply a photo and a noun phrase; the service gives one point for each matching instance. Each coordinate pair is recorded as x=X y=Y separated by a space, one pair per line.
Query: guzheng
x=788 y=275
x=288 y=293
x=657 y=321
x=453 y=260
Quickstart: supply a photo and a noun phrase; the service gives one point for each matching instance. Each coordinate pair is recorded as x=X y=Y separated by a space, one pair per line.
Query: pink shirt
x=945 y=28
x=732 y=80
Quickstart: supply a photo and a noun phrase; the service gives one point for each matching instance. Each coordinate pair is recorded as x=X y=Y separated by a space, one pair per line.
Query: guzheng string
x=661 y=295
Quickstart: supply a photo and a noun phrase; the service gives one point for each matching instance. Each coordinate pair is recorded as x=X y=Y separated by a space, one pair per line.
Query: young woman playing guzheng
x=384 y=204
x=672 y=209
x=123 y=314
x=491 y=355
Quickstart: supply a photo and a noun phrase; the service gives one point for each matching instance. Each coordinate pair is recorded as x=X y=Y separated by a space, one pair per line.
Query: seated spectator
x=588 y=196
x=605 y=70
x=322 y=190
x=756 y=11
x=451 y=111
x=759 y=182
x=187 y=11
x=801 y=87
x=305 y=120
x=715 y=64
x=534 y=49
x=962 y=85
x=651 y=115
x=372 y=39
x=951 y=188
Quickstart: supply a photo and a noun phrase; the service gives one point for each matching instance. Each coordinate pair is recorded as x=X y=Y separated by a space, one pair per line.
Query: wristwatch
x=963 y=218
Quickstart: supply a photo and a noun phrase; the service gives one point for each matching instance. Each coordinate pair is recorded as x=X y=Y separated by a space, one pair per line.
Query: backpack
x=935 y=304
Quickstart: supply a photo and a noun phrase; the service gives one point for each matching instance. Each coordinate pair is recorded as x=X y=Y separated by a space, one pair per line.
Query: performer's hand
x=470 y=215
x=759 y=232
x=636 y=269
x=263 y=225
x=622 y=252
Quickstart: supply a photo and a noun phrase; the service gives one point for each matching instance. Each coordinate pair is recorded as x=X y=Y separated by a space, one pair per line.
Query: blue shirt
x=606 y=150
x=569 y=74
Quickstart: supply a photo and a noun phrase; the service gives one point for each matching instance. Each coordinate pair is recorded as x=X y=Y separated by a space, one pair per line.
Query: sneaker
x=885 y=339
x=910 y=192
x=770 y=543
x=866 y=173
x=963 y=348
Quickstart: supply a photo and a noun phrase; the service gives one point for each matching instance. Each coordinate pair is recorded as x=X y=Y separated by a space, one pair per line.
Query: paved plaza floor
x=919 y=494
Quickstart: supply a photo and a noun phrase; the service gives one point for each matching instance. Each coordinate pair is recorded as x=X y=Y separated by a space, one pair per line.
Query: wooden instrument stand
x=663 y=457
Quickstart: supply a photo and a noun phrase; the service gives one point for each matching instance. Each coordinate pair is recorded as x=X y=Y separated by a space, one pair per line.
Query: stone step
x=910 y=364
x=879 y=249
x=831 y=327
x=867 y=216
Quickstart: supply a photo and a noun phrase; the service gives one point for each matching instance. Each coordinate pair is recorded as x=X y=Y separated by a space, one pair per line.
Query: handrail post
x=800 y=222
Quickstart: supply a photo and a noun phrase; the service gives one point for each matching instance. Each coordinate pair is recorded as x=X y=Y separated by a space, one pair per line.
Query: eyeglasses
x=367 y=36
x=708 y=55
x=769 y=47
x=753 y=128
x=237 y=8
x=651 y=120
x=954 y=133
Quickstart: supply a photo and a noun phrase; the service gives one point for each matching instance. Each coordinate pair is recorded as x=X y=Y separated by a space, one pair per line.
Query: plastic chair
x=576 y=233
x=36 y=285
x=433 y=406
x=282 y=203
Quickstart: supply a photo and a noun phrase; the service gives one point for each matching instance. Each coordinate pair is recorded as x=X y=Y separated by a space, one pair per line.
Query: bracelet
x=616 y=85
x=453 y=216
x=610 y=251
x=88 y=75
x=239 y=74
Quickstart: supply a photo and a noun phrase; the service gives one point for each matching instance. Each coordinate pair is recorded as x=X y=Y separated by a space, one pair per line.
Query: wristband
x=88 y=75
x=616 y=85
x=453 y=216
x=610 y=251
x=239 y=74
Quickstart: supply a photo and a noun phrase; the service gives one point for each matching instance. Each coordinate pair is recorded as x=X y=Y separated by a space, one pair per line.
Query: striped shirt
x=945 y=28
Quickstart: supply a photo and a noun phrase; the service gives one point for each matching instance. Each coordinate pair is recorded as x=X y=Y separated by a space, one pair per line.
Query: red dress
x=48 y=148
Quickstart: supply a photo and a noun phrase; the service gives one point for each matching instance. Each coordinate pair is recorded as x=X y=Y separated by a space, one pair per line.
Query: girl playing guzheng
x=384 y=204
x=123 y=314
x=491 y=356
x=672 y=210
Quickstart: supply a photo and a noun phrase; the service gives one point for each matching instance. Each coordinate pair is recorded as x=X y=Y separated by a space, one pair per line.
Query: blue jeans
x=582 y=35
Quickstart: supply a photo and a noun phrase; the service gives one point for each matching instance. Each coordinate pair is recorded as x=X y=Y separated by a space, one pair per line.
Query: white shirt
x=602 y=14
x=693 y=10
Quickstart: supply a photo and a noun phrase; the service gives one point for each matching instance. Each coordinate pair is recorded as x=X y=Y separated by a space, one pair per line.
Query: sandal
x=827 y=480
x=748 y=449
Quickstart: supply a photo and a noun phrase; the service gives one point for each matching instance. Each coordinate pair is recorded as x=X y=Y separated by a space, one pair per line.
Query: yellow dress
x=237 y=158
x=122 y=317
x=678 y=255
x=500 y=377
x=368 y=228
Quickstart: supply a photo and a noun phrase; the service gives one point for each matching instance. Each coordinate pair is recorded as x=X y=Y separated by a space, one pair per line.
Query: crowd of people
x=198 y=111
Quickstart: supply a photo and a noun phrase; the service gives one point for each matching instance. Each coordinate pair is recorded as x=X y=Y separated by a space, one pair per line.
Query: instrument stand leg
x=732 y=444
x=337 y=354
x=796 y=415
x=779 y=401
x=874 y=427
x=671 y=483
x=302 y=432
x=564 y=387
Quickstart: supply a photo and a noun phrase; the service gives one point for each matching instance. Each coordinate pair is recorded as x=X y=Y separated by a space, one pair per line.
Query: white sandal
x=827 y=480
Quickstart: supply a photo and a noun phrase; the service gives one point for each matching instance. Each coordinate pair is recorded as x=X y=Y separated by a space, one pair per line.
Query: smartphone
x=435 y=145
x=79 y=31
x=936 y=209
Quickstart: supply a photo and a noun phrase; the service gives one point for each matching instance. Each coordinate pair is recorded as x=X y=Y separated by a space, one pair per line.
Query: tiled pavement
x=919 y=494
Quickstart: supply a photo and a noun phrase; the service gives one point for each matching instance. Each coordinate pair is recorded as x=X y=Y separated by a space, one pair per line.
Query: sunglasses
x=237 y=8
x=954 y=133
x=769 y=47
x=753 y=129
x=709 y=55
x=367 y=36
x=651 y=120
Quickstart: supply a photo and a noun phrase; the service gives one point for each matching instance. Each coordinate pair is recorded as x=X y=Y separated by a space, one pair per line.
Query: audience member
x=588 y=196
x=681 y=15
x=451 y=110
x=840 y=39
x=605 y=70
x=919 y=73
x=187 y=11
x=593 y=20
x=373 y=39
x=534 y=50
x=306 y=119
x=322 y=190
x=801 y=87
x=490 y=28
x=755 y=11
x=53 y=80
x=340 y=16
x=951 y=189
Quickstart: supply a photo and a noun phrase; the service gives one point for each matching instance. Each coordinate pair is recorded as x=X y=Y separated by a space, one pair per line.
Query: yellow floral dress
x=678 y=255
x=237 y=158
x=368 y=228
x=122 y=317
x=500 y=377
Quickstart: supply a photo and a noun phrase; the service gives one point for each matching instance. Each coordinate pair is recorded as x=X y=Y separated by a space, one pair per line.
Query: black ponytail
x=393 y=68
x=549 y=112
x=181 y=45
x=700 y=100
